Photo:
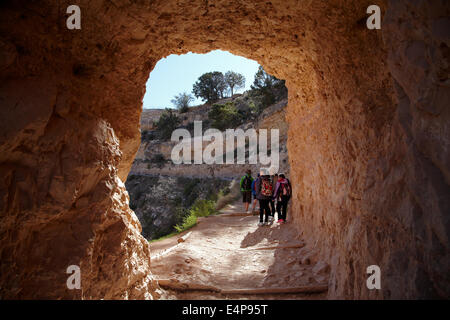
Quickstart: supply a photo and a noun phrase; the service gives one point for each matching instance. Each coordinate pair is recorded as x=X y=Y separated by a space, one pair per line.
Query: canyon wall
x=272 y=117
x=160 y=202
x=368 y=135
x=370 y=164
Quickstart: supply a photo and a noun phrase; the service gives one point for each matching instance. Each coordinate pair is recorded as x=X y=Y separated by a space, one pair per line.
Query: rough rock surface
x=368 y=135
x=160 y=202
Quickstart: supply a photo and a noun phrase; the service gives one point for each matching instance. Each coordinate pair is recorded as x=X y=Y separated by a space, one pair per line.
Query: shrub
x=188 y=222
x=147 y=135
x=166 y=124
x=224 y=116
x=253 y=108
x=203 y=208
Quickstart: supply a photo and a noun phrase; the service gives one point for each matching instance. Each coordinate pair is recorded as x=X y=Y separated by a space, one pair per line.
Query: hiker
x=263 y=187
x=272 y=201
x=246 y=188
x=254 y=193
x=283 y=193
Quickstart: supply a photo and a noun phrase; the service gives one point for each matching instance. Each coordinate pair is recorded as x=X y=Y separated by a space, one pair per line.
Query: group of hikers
x=272 y=191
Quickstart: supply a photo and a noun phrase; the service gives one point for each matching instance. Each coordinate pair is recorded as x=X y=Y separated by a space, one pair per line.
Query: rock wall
x=161 y=202
x=370 y=164
x=368 y=135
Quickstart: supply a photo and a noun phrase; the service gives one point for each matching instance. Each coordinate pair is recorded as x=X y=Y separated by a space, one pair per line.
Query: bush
x=224 y=116
x=188 y=222
x=166 y=124
x=147 y=135
x=203 y=208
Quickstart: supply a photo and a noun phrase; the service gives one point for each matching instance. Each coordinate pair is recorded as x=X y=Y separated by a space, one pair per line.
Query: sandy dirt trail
x=227 y=256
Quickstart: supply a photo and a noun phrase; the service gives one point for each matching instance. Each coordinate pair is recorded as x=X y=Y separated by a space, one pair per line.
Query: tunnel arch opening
x=256 y=109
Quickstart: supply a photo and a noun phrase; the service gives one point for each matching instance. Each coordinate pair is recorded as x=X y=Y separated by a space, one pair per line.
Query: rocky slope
x=160 y=202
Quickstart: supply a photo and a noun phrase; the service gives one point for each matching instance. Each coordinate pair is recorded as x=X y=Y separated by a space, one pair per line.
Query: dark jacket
x=260 y=196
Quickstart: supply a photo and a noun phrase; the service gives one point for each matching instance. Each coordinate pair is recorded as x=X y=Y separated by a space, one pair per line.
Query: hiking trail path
x=228 y=256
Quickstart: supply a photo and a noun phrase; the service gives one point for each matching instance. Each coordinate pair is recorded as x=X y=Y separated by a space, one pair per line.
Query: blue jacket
x=253 y=187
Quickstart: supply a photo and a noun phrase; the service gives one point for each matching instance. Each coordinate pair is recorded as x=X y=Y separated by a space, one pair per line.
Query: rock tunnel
x=368 y=141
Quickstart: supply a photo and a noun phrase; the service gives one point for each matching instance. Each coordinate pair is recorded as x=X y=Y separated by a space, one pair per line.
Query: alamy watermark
x=191 y=150
x=374 y=20
x=374 y=281
x=73 y=22
x=74 y=280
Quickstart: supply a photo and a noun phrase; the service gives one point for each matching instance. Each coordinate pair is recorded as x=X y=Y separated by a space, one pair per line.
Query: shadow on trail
x=275 y=233
x=286 y=269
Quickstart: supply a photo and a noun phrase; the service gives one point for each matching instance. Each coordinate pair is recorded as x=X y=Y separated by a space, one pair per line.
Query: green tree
x=269 y=86
x=234 y=80
x=224 y=116
x=182 y=101
x=210 y=87
x=166 y=124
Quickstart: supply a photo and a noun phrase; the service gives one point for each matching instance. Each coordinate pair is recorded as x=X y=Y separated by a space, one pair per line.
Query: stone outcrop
x=368 y=135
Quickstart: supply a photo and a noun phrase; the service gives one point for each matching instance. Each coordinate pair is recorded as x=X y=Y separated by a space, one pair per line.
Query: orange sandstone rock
x=368 y=136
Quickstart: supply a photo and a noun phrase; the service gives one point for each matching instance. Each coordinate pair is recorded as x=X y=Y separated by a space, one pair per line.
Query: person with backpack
x=272 y=202
x=246 y=188
x=283 y=193
x=263 y=187
x=254 y=194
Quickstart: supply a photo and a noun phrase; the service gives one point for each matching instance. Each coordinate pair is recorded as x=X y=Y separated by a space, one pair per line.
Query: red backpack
x=266 y=187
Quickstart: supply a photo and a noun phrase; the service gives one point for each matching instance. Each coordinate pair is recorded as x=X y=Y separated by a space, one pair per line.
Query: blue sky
x=176 y=74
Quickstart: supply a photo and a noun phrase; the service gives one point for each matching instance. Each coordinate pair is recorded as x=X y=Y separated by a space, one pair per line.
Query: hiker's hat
x=272 y=171
x=263 y=172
